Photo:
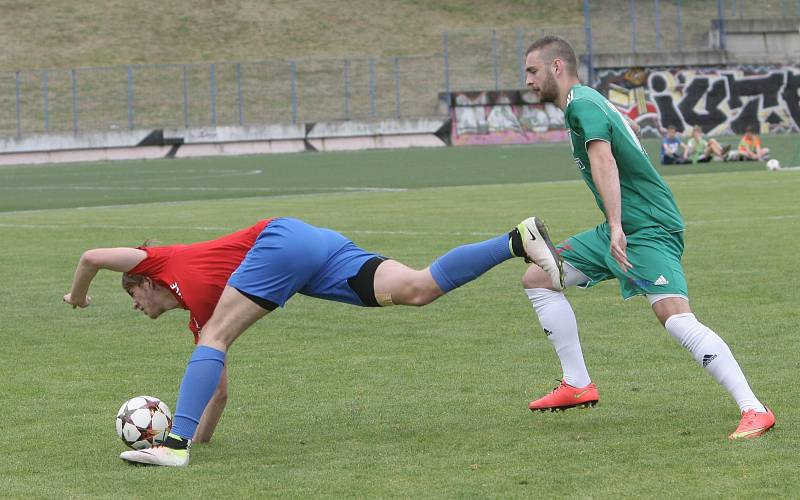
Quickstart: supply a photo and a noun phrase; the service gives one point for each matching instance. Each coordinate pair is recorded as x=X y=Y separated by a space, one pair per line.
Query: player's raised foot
x=565 y=396
x=540 y=250
x=753 y=424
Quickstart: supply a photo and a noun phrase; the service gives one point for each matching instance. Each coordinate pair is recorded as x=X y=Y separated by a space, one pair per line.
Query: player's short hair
x=129 y=281
x=132 y=280
x=552 y=47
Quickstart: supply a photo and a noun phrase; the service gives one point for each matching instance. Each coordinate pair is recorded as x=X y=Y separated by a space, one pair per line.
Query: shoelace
x=749 y=416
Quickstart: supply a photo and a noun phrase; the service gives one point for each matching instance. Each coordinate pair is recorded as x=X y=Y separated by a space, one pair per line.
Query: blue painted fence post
x=397 y=87
x=587 y=30
x=293 y=71
x=678 y=24
x=632 y=12
x=212 y=76
x=46 y=93
x=185 y=79
x=18 y=104
x=494 y=61
x=130 y=98
x=658 y=25
x=521 y=56
x=447 y=71
x=239 y=102
x=346 y=75
x=372 y=108
x=74 y=79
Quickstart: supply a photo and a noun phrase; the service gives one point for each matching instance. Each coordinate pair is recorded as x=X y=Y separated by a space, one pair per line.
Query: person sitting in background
x=750 y=146
x=701 y=149
x=670 y=147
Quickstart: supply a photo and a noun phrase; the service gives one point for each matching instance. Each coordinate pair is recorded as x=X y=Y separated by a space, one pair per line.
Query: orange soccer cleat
x=565 y=396
x=753 y=424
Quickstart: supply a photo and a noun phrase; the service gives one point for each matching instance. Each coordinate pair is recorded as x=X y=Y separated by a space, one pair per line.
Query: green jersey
x=646 y=199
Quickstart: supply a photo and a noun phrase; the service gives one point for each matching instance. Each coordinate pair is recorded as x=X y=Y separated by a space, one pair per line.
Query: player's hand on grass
x=76 y=302
x=619 y=244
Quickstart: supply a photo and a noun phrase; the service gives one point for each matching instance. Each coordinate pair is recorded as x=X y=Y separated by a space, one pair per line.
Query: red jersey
x=197 y=273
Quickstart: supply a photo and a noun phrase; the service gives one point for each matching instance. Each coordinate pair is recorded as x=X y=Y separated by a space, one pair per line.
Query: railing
x=275 y=91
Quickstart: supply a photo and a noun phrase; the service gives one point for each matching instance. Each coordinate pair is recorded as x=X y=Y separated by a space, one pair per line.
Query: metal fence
x=679 y=25
x=192 y=95
x=277 y=91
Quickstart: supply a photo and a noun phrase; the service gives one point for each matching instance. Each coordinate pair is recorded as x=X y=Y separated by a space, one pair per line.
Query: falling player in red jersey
x=229 y=283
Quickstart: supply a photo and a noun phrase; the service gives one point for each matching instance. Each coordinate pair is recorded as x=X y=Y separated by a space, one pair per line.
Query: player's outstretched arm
x=115 y=259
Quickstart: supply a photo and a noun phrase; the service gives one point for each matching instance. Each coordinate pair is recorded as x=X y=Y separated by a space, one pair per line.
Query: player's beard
x=548 y=92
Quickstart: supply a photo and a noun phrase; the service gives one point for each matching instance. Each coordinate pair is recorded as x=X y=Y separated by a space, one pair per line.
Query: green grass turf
x=329 y=400
x=93 y=184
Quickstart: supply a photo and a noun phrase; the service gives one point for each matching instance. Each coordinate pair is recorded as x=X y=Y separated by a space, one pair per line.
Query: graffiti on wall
x=721 y=101
x=504 y=117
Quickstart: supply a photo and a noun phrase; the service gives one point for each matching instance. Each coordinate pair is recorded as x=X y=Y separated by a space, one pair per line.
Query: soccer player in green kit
x=640 y=243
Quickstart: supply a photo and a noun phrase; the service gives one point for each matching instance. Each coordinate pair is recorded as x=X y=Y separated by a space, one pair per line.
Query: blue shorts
x=291 y=256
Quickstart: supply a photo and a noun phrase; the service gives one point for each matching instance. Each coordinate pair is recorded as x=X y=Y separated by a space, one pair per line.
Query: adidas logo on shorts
x=661 y=281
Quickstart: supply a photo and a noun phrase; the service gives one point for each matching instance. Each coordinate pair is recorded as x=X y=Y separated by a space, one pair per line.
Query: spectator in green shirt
x=701 y=150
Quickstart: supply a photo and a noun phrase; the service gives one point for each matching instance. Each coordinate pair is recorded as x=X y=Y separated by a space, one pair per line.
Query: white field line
x=346 y=231
x=217 y=229
x=347 y=189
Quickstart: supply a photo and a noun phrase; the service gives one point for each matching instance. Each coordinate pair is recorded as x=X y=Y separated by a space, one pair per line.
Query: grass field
x=328 y=400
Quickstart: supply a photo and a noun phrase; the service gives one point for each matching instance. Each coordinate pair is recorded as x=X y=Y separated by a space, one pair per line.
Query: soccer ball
x=773 y=164
x=143 y=421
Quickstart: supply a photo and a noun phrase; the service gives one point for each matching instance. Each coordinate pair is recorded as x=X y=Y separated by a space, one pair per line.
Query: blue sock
x=465 y=263
x=198 y=385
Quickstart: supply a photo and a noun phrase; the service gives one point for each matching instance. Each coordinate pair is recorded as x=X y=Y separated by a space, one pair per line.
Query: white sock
x=714 y=355
x=559 y=324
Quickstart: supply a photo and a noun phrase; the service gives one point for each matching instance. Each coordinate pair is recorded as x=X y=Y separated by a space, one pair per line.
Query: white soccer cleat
x=157 y=455
x=540 y=250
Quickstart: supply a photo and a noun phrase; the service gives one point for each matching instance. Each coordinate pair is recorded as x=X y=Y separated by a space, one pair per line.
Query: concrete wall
x=215 y=141
x=762 y=40
x=51 y=142
x=747 y=41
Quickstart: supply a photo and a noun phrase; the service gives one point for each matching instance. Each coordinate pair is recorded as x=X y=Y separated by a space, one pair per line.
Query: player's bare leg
x=714 y=355
x=234 y=314
x=397 y=284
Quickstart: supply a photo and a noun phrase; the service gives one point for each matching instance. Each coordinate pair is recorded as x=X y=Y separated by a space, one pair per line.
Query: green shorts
x=654 y=253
